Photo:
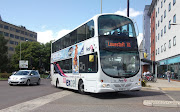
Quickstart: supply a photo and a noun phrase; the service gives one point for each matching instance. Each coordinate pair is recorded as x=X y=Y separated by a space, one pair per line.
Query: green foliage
x=3 y=54
x=5 y=75
x=37 y=54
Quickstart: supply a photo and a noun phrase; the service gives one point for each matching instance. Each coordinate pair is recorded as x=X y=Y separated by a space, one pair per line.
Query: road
x=63 y=100
x=11 y=95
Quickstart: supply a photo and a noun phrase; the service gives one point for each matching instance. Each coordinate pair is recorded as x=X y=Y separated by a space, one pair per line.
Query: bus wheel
x=57 y=82
x=81 y=87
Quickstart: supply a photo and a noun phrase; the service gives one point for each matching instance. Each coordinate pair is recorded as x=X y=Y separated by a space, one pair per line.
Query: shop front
x=172 y=64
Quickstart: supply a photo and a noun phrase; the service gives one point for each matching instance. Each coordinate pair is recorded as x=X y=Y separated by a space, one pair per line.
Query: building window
x=174 y=41
x=11 y=42
x=161 y=18
x=16 y=43
x=1 y=26
x=26 y=33
x=169 y=43
x=164 y=46
x=164 y=29
x=11 y=49
x=156 y=26
x=174 y=18
x=22 y=38
x=165 y=14
x=158 y=10
x=6 y=34
x=174 y=2
x=6 y=27
x=161 y=32
x=170 y=24
x=156 y=14
x=158 y=23
x=158 y=36
x=11 y=35
x=22 y=32
x=18 y=31
x=170 y=6
x=164 y=1
x=161 y=4
x=17 y=37
x=158 y=50
x=161 y=48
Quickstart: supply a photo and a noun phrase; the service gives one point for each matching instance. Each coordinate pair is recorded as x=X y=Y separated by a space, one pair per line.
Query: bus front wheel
x=81 y=87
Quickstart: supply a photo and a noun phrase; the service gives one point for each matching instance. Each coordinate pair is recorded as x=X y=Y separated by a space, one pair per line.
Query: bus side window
x=73 y=36
x=81 y=33
x=90 y=29
x=88 y=63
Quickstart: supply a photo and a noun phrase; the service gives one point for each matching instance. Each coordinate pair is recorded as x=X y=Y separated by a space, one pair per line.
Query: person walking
x=168 y=73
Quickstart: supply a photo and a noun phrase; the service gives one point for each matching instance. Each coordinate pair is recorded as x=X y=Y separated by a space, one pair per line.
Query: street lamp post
x=101 y=6
x=20 y=50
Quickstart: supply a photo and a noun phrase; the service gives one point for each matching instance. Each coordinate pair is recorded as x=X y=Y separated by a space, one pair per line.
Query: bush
x=143 y=83
x=4 y=75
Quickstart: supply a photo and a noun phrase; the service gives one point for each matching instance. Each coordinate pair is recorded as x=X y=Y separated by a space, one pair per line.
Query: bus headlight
x=139 y=84
x=106 y=85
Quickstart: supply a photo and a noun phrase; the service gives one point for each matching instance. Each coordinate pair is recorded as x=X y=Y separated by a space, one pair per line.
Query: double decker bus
x=99 y=56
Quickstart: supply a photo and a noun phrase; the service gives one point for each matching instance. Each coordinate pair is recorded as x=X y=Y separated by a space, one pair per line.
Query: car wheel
x=81 y=87
x=28 y=82
x=39 y=81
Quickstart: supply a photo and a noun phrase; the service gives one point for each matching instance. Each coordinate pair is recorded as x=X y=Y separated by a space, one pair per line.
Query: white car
x=25 y=77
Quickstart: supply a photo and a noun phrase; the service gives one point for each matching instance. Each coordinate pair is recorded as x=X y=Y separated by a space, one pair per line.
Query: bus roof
x=93 y=18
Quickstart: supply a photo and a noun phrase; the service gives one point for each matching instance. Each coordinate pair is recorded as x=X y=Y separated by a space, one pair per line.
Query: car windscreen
x=22 y=73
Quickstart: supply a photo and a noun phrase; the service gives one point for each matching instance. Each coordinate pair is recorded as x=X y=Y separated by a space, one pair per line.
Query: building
x=165 y=27
x=146 y=66
x=15 y=34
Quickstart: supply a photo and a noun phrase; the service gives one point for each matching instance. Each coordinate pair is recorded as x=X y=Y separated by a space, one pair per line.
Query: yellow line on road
x=170 y=89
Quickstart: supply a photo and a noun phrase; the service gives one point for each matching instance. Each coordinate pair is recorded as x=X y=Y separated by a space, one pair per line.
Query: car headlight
x=22 y=78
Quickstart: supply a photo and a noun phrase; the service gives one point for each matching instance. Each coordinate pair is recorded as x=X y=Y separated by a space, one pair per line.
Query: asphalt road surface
x=46 y=98
x=12 y=95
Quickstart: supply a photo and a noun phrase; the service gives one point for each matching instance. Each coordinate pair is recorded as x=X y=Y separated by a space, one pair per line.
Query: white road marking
x=35 y=103
x=168 y=95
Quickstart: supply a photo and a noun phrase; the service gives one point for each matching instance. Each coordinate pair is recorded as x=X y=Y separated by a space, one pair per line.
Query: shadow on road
x=126 y=94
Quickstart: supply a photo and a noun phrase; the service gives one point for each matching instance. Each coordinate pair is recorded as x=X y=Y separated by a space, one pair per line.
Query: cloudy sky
x=52 y=19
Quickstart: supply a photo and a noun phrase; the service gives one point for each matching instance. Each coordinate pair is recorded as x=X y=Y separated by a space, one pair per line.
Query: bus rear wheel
x=81 y=87
x=57 y=82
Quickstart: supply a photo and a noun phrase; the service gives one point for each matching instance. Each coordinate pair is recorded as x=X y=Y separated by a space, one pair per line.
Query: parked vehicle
x=149 y=77
x=25 y=77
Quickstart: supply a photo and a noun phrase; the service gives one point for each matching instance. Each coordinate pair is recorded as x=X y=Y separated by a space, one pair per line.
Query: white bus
x=99 y=56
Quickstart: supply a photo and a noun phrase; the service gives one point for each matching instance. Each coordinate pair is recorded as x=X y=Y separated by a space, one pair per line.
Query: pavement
x=163 y=86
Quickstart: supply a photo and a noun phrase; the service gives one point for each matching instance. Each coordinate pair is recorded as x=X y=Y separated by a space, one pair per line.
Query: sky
x=52 y=19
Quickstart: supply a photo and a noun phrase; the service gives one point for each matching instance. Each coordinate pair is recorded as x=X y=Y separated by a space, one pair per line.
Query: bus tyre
x=81 y=87
x=57 y=82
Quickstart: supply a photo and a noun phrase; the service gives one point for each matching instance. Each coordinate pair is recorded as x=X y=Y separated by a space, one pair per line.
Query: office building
x=165 y=28
x=15 y=34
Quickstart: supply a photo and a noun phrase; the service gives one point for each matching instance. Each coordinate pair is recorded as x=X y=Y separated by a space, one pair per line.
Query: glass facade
x=172 y=64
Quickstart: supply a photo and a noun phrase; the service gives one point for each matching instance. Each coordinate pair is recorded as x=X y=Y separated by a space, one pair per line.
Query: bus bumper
x=111 y=88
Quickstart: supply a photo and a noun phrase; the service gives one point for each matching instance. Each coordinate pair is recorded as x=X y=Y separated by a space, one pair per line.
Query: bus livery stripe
x=59 y=70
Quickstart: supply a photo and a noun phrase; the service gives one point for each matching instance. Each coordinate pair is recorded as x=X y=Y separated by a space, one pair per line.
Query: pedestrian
x=168 y=73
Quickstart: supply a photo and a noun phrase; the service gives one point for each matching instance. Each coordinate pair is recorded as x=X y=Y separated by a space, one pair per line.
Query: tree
x=3 y=54
x=37 y=54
